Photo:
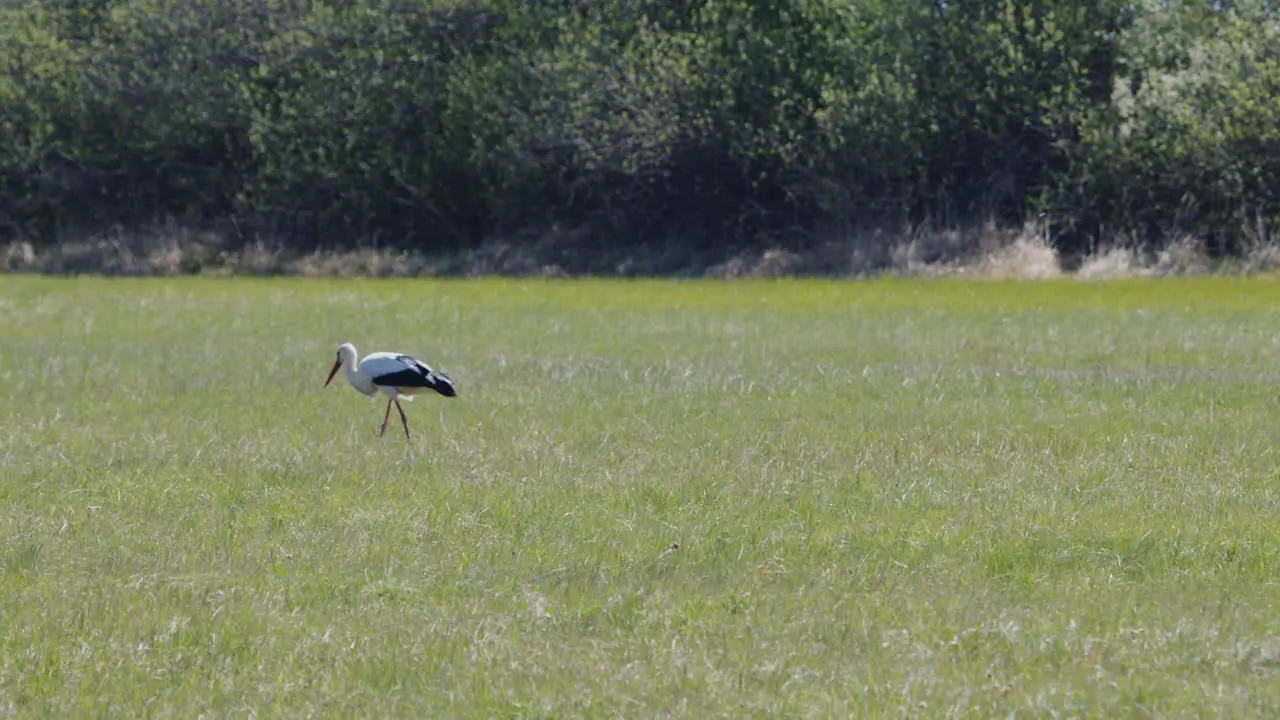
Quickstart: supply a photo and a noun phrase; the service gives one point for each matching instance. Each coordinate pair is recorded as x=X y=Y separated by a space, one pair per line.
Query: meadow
x=891 y=498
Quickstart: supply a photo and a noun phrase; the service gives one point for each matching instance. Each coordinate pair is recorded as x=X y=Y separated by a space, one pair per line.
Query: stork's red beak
x=336 y=364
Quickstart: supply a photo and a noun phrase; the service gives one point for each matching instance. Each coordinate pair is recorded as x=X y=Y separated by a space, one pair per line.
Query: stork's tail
x=441 y=383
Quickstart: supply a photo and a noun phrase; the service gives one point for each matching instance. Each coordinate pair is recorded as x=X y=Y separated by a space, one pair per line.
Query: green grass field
x=890 y=498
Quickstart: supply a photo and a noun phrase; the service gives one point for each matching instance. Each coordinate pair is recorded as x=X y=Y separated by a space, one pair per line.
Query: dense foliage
x=432 y=124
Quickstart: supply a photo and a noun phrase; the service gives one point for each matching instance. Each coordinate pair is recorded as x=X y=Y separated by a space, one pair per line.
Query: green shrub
x=352 y=128
x=1190 y=144
x=39 y=86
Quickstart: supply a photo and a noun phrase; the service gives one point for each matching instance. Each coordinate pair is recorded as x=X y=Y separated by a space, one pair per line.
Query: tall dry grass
x=984 y=251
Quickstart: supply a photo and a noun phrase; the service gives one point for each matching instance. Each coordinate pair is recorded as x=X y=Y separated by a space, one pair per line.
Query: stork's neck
x=357 y=378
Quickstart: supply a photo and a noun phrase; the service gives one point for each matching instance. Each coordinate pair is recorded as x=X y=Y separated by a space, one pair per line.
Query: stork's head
x=346 y=354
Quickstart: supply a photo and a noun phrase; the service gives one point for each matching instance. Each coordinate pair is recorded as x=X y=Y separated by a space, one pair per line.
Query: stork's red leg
x=387 y=416
x=403 y=420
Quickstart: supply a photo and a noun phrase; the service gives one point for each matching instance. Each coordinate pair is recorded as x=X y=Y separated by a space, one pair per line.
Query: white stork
x=395 y=374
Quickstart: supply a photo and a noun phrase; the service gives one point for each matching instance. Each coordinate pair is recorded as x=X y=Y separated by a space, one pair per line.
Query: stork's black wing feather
x=417 y=374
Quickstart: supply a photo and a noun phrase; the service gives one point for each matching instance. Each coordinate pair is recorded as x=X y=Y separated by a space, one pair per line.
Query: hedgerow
x=433 y=124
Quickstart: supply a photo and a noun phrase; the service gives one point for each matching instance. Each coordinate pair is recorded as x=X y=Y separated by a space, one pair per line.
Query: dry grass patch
x=1182 y=256
x=1028 y=257
x=989 y=252
x=1114 y=262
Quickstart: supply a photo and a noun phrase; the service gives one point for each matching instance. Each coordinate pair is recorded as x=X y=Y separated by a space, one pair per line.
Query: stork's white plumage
x=396 y=375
